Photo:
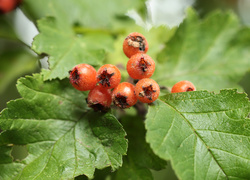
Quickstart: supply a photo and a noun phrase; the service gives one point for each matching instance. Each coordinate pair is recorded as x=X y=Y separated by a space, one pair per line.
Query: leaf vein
x=195 y=134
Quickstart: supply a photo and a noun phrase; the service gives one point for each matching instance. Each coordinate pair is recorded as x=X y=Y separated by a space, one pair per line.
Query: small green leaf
x=205 y=135
x=67 y=49
x=213 y=53
x=63 y=138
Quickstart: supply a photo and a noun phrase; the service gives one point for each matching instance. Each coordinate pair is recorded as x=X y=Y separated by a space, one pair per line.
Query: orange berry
x=134 y=43
x=147 y=90
x=140 y=66
x=108 y=76
x=83 y=77
x=99 y=99
x=124 y=96
x=183 y=86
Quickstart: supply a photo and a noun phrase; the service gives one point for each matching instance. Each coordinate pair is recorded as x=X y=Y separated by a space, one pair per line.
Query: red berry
x=83 y=77
x=183 y=86
x=147 y=90
x=7 y=5
x=99 y=99
x=124 y=96
x=140 y=66
x=134 y=43
x=108 y=76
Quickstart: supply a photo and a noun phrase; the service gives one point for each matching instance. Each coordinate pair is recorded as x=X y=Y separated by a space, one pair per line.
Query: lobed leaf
x=205 y=135
x=213 y=53
x=67 y=49
x=64 y=139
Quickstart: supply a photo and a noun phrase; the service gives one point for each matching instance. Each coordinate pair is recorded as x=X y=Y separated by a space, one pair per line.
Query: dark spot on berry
x=141 y=42
x=137 y=41
x=144 y=64
x=147 y=91
x=190 y=89
x=104 y=78
x=75 y=76
x=96 y=106
x=121 y=101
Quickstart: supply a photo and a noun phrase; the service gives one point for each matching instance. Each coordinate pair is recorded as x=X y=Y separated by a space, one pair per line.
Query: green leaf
x=213 y=53
x=205 y=135
x=140 y=157
x=67 y=49
x=64 y=139
x=94 y=13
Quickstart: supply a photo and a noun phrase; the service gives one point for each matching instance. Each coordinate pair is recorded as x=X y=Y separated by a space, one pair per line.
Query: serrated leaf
x=94 y=13
x=213 y=53
x=205 y=135
x=67 y=49
x=64 y=139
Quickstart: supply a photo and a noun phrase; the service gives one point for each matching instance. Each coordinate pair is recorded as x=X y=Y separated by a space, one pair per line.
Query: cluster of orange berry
x=140 y=66
x=105 y=86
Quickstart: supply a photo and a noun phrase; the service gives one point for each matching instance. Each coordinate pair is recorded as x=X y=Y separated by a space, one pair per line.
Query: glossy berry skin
x=7 y=5
x=99 y=99
x=134 y=43
x=147 y=90
x=108 y=76
x=123 y=95
x=140 y=66
x=183 y=86
x=83 y=77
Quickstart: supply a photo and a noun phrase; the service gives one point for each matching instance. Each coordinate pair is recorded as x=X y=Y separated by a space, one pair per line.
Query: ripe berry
x=124 y=96
x=134 y=43
x=183 y=86
x=140 y=66
x=83 y=77
x=147 y=90
x=8 y=5
x=99 y=99
x=108 y=76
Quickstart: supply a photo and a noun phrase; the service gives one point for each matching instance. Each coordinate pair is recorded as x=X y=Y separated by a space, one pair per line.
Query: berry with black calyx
x=134 y=43
x=108 y=76
x=147 y=90
x=183 y=86
x=83 y=77
x=99 y=99
x=140 y=66
x=123 y=95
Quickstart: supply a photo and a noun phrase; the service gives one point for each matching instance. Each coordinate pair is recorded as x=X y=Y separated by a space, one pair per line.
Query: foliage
x=204 y=134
